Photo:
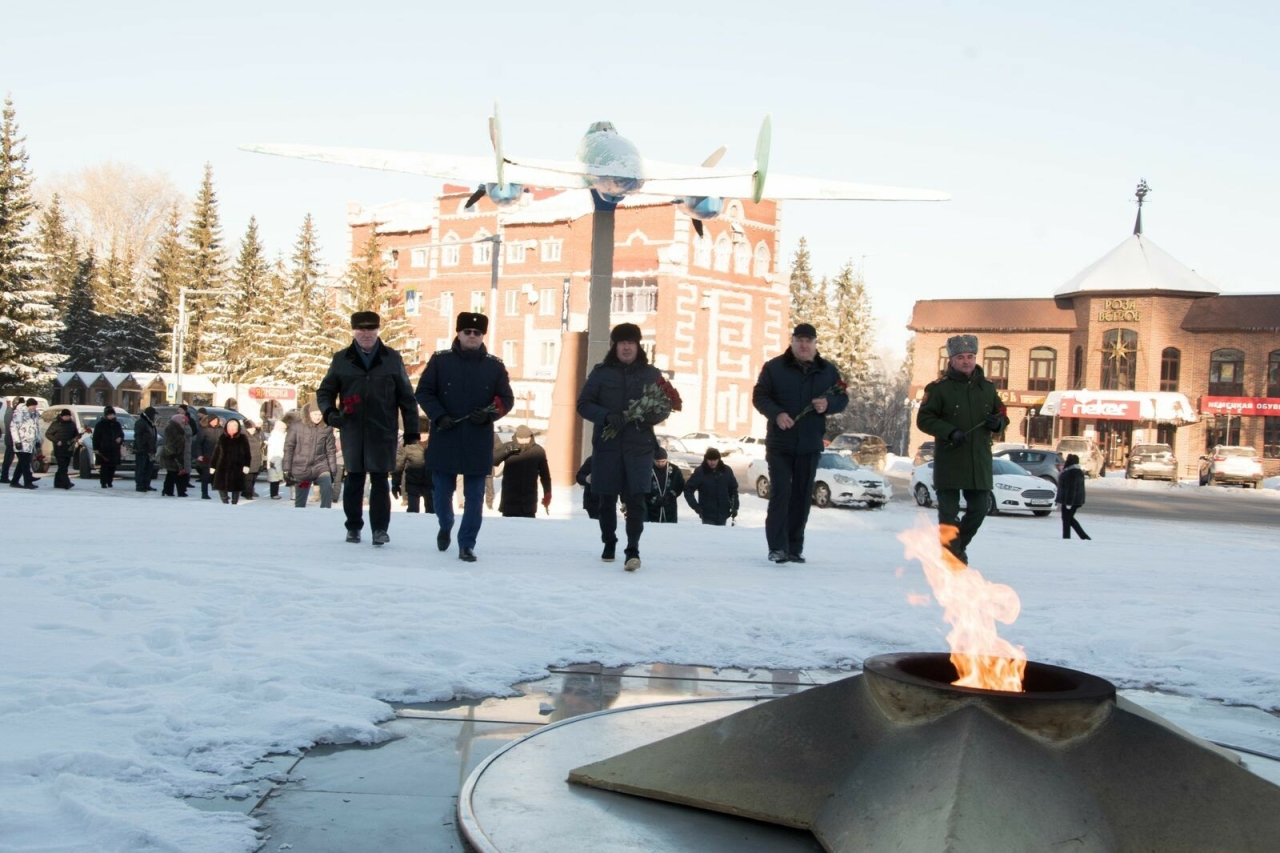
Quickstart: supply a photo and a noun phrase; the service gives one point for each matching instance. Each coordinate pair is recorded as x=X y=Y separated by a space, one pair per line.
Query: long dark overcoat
x=1071 y=486
x=524 y=465
x=456 y=383
x=63 y=435
x=370 y=432
x=177 y=447
x=666 y=485
x=712 y=493
x=960 y=402
x=108 y=437
x=788 y=385
x=144 y=436
x=622 y=464
x=231 y=455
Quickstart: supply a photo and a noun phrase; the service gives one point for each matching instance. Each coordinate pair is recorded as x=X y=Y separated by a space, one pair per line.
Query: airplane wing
x=787 y=187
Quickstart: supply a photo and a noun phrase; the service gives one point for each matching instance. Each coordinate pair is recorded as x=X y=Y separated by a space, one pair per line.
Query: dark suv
x=869 y=450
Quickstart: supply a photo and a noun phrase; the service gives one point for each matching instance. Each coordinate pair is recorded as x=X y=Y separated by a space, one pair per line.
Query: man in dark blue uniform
x=463 y=391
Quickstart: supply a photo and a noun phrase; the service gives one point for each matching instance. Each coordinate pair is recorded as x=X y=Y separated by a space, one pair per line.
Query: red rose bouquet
x=660 y=398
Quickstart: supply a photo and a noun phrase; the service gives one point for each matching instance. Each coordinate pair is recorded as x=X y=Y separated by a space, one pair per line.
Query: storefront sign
x=1119 y=310
x=1265 y=406
x=1100 y=407
x=261 y=392
x=1022 y=399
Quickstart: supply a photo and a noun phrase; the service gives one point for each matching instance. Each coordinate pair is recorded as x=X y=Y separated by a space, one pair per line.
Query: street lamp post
x=180 y=335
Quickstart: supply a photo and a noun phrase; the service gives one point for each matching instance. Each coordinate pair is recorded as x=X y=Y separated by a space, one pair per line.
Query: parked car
x=1015 y=490
x=1009 y=445
x=1045 y=464
x=924 y=453
x=698 y=442
x=1092 y=460
x=840 y=481
x=1152 y=462
x=869 y=450
x=1226 y=464
x=85 y=417
x=751 y=446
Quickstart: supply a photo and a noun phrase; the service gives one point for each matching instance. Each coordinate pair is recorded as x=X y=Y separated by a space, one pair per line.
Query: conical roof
x=1137 y=265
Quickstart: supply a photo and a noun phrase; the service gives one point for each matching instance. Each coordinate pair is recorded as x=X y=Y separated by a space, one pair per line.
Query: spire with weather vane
x=1141 y=193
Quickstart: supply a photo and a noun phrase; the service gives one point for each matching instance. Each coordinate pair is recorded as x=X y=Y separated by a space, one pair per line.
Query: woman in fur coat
x=231 y=457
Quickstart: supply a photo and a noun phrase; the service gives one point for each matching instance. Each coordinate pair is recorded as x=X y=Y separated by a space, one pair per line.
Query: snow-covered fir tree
x=270 y=343
x=28 y=325
x=228 y=338
x=308 y=316
x=57 y=254
x=81 y=330
x=167 y=274
x=850 y=341
x=206 y=266
x=808 y=298
x=127 y=332
x=369 y=288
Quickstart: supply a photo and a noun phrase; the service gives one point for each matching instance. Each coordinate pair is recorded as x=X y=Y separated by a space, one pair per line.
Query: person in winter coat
x=254 y=437
x=206 y=439
x=463 y=391
x=590 y=500
x=411 y=480
x=25 y=432
x=962 y=410
x=794 y=393
x=275 y=454
x=144 y=449
x=525 y=464
x=621 y=466
x=231 y=458
x=364 y=396
x=108 y=439
x=712 y=490
x=310 y=456
x=174 y=454
x=666 y=485
x=1071 y=496
x=65 y=437
x=16 y=405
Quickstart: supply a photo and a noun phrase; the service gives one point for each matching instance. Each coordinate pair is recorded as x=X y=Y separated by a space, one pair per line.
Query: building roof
x=994 y=315
x=394 y=217
x=568 y=206
x=1137 y=264
x=1252 y=312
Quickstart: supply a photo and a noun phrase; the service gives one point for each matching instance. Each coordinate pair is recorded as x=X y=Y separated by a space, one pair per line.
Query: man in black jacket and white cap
x=364 y=396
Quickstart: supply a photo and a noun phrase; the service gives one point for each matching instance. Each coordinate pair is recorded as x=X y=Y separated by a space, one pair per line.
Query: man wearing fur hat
x=364 y=396
x=463 y=391
x=108 y=441
x=962 y=410
x=524 y=466
x=623 y=464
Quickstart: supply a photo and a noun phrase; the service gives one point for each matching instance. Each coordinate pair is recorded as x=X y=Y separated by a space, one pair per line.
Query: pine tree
x=850 y=342
x=369 y=288
x=229 y=338
x=80 y=336
x=307 y=316
x=168 y=275
x=206 y=265
x=808 y=298
x=57 y=252
x=28 y=325
x=270 y=342
x=128 y=340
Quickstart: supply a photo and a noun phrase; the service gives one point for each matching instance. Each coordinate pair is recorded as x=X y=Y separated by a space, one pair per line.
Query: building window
x=1170 y=367
x=419 y=257
x=761 y=268
x=1043 y=369
x=944 y=360
x=742 y=258
x=511 y=303
x=482 y=253
x=1039 y=429
x=391 y=259
x=1226 y=373
x=450 y=256
x=446 y=303
x=1119 y=359
x=547 y=354
x=702 y=251
x=1221 y=429
x=551 y=250
x=1273 y=374
x=509 y=352
x=478 y=301
x=412 y=351
x=443 y=343
x=995 y=366
x=635 y=296
x=547 y=302
x=516 y=251
x=410 y=302
x=724 y=250
x=1271 y=438
x=1077 y=370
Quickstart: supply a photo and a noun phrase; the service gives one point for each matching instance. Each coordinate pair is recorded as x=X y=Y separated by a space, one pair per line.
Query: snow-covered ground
x=155 y=648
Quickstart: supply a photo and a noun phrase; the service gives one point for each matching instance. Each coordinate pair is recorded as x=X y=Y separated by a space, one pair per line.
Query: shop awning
x=1167 y=407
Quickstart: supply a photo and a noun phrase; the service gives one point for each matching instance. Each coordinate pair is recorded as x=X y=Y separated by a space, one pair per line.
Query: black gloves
x=617 y=420
x=411 y=438
x=957 y=437
x=444 y=423
x=480 y=417
x=288 y=480
x=333 y=417
x=395 y=492
x=994 y=422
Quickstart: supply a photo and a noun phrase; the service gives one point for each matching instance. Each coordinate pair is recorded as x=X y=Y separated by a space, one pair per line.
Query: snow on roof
x=116 y=379
x=568 y=206
x=394 y=217
x=88 y=377
x=1137 y=264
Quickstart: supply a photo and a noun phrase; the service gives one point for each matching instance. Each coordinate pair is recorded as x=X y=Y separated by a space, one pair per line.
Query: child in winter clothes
x=1071 y=496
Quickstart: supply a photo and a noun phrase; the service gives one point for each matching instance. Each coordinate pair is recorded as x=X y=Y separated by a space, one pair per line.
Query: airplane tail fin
x=762 y=159
x=495 y=136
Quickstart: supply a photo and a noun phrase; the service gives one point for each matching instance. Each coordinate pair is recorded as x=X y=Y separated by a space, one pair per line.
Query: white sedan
x=840 y=481
x=1015 y=489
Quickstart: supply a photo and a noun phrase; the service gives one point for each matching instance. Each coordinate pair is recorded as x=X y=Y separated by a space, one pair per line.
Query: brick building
x=711 y=309
x=1135 y=348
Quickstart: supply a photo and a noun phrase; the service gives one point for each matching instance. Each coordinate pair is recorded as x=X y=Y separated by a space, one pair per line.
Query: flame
x=972 y=606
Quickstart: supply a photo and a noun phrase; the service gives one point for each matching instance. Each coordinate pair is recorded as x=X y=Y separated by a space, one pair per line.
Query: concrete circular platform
x=518 y=800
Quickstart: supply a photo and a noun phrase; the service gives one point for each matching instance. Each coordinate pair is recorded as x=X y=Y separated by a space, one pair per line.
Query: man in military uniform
x=463 y=391
x=962 y=410
x=364 y=395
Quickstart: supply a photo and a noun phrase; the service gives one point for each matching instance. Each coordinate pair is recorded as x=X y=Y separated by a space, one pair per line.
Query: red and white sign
x=1098 y=406
x=1266 y=406
x=260 y=392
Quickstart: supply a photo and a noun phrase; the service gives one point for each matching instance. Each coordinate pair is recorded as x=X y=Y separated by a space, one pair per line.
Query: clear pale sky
x=1038 y=121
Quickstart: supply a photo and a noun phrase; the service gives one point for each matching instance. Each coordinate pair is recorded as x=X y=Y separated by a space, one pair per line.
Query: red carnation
x=349 y=404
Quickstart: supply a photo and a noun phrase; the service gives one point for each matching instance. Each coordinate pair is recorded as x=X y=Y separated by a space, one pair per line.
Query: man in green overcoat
x=962 y=410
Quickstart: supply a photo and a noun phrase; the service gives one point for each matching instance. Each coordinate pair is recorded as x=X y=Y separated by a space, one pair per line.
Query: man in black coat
x=623 y=464
x=463 y=391
x=108 y=439
x=797 y=380
x=364 y=396
x=525 y=463
x=206 y=440
x=712 y=490
x=144 y=448
x=666 y=485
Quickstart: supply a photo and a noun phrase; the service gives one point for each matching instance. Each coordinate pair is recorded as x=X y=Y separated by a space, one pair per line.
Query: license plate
x=1038 y=503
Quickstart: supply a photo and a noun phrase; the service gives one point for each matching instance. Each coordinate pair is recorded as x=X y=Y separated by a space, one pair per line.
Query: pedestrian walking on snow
x=712 y=490
x=108 y=442
x=665 y=488
x=144 y=450
x=65 y=438
x=254 y=436
x=231 y=457
x=524 y=464
x=411 y=481
x=1071 y=496
x=14 y=406
x=25 y=432
x=275 y=454
x=174 y=455
x=310 y=456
